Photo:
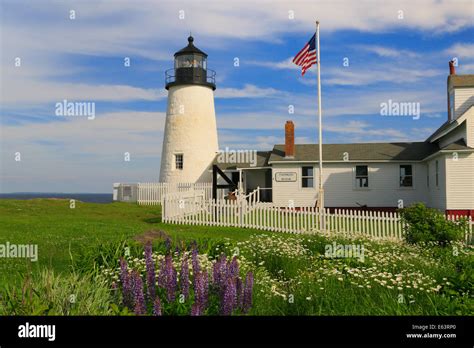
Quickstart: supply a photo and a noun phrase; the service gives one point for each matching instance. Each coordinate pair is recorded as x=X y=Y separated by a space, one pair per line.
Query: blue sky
x=397 y=50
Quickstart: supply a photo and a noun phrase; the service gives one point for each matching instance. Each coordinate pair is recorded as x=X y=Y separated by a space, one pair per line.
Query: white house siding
x=463 y=100
x=286 y=193
x=460 y=181
x=455 y=135
x=339 y=186
x=436 y=197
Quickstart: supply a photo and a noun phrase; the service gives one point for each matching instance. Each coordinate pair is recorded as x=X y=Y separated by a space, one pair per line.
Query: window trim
x=176 y=161
x=412 y=176
x=307 y=177
x=355 y=185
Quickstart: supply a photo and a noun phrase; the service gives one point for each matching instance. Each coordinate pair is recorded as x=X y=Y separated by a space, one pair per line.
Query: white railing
x=257 y=215
x=153 y=193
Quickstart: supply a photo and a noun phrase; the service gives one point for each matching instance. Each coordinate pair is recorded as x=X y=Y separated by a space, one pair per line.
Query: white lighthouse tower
x=190 y=141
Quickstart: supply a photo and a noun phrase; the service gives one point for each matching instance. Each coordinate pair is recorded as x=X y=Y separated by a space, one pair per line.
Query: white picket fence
x=153 y=193
x=264 y=216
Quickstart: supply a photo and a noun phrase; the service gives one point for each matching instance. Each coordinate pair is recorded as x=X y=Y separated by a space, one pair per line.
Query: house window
x=307 y=177
x=178 y=161
x=406 y=175
x=437 y=173
x=427 y=175
x=362 y=176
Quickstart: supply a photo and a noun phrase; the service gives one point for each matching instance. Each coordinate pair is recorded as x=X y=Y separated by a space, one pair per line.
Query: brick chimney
x=289 y=139
x=452 y=70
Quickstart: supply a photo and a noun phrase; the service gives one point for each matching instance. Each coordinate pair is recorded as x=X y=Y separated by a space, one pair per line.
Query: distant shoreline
x=84 y=197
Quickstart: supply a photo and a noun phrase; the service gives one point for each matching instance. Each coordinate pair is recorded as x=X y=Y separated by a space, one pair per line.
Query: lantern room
x=190 y=68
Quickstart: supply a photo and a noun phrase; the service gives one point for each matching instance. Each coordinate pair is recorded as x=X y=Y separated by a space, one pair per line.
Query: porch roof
x=261 y=161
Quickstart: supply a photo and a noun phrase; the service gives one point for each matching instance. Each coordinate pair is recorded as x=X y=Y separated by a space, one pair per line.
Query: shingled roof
x=415 y=151
x=458 y=145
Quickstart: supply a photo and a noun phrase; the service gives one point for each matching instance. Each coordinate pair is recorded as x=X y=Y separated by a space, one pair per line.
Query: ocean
x=84 y=197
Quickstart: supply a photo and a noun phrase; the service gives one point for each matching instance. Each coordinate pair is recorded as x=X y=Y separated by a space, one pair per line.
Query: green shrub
x=423 y=225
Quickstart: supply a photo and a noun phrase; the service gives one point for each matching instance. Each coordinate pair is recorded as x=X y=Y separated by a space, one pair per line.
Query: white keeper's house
x=438 y=171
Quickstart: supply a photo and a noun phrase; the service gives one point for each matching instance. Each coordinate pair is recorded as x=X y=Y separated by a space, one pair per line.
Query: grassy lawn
x=293 y=275
x=58 y=230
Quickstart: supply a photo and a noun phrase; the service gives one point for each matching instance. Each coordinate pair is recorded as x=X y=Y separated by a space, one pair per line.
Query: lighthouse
x=190 y=139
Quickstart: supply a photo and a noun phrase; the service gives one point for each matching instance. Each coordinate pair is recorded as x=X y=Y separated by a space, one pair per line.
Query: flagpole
x=320 y=137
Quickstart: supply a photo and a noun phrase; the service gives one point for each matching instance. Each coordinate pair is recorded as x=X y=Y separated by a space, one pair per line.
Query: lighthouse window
x=190 y=61
x=178 y=160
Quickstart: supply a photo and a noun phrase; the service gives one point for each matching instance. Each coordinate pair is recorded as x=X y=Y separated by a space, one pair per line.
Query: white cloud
x=282 y=65
x=248 y=91
x=377 y=73
x=363 y=128
x=23 y=91
x=461 y=50
x=388 y=51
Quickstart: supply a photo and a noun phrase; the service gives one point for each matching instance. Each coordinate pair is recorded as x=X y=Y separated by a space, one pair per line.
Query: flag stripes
x=307 y=56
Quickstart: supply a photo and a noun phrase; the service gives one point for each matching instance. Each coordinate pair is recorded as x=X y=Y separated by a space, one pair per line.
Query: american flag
x=307 y=56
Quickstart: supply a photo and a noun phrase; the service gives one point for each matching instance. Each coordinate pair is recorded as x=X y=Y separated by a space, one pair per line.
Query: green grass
x=285 y=265
x=60 y=231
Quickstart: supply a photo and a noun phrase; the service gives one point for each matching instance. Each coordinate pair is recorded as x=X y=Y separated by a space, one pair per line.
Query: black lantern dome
x=190 y=68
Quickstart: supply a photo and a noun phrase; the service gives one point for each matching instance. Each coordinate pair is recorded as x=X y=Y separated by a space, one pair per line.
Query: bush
x=422 y=225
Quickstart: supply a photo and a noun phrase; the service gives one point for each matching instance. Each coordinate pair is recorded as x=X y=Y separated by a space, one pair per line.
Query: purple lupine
x=171 y=278
x=157 y=306
x=229 y=298
x=196 y=309
x=220 y=272
x=126 y=283
x=248 y=289
x=233 y=268
x=205 y=285
x=201 y=287
x=239 y=292
x=150 y=272
x=162 y=275
x=138 y=294
x=196 y=267
x=184 y=276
